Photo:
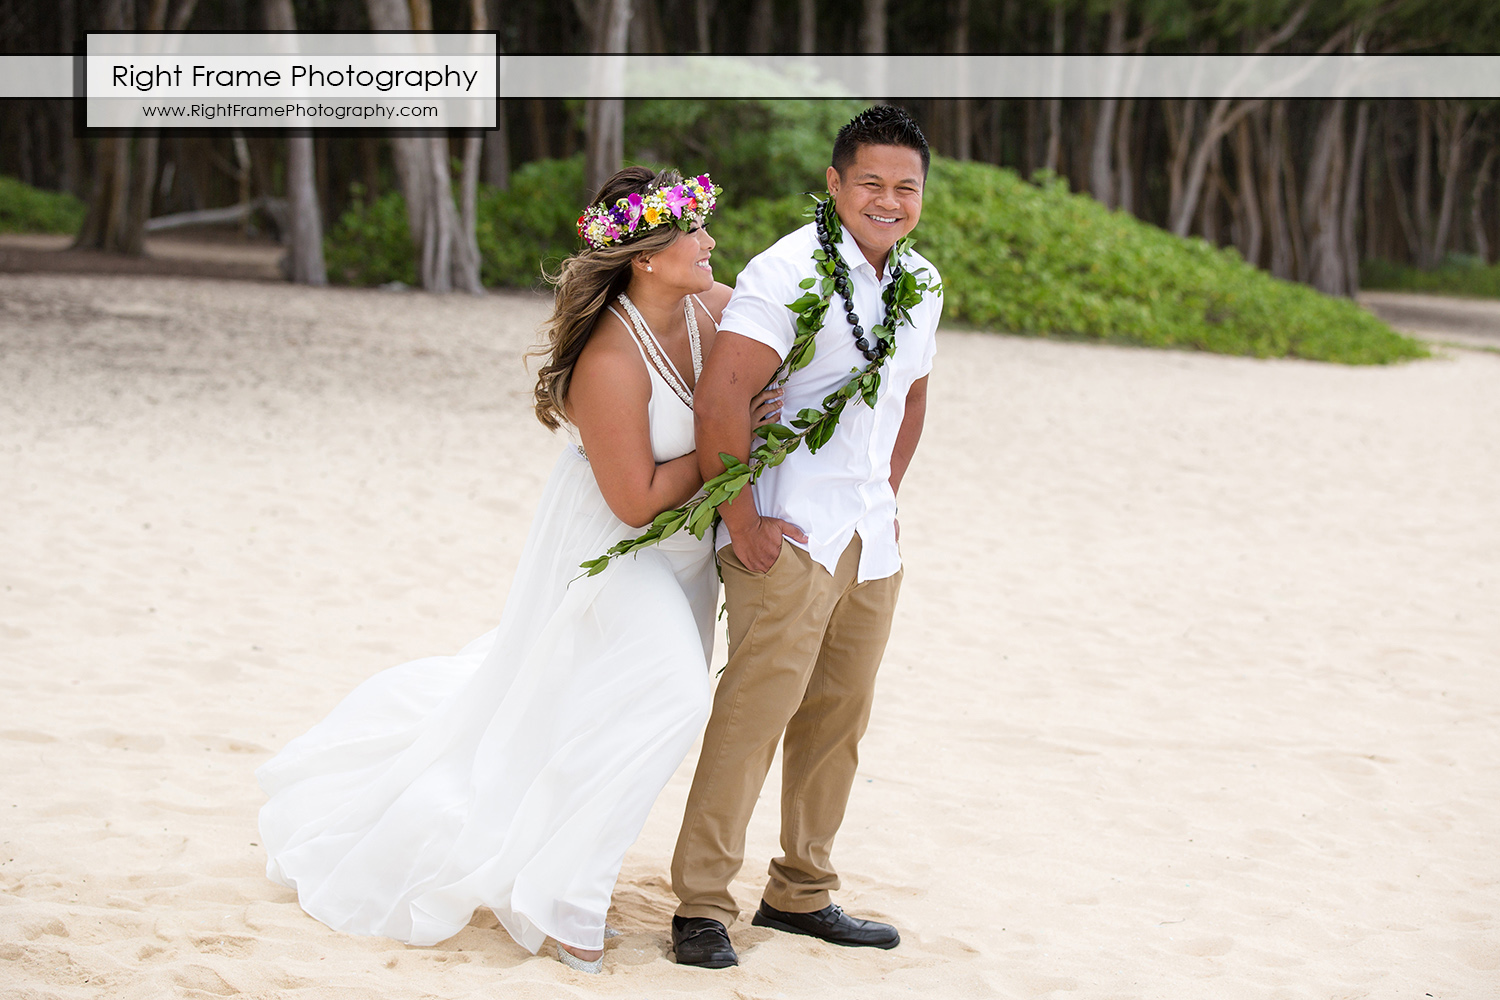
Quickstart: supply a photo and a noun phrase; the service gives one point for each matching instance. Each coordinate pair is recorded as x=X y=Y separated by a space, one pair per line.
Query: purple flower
x=633 y=206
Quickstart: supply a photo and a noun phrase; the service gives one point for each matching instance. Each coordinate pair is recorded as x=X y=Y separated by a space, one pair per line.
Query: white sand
x=1193 y=690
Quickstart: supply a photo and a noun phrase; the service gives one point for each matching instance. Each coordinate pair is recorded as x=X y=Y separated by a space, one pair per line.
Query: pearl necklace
x=655 y=351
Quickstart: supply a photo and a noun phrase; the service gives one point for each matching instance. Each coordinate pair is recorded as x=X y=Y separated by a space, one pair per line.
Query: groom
x=809 y=557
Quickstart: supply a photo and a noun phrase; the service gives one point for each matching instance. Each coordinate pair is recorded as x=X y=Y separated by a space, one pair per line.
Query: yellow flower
x=653 y=215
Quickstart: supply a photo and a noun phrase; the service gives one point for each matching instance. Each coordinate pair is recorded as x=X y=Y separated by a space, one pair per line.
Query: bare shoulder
x=716 y=298
x=609 y=369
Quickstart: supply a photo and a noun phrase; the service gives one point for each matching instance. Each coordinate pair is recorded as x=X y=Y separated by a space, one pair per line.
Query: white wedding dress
x=515 y=774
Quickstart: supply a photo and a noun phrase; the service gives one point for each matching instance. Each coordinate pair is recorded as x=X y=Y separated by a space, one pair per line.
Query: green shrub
x=1036 y=259
x=517 y=230
x=1458 y=275
x=1015 y=256
x=25 y=209
x=741 y=231
x=531 y=226
x=371 y=243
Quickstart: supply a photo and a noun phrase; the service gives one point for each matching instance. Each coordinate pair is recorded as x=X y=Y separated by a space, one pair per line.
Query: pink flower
x=676 y=200
x=633 y=207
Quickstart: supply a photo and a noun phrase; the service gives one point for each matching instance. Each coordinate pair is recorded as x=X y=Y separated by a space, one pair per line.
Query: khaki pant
x=803 y=650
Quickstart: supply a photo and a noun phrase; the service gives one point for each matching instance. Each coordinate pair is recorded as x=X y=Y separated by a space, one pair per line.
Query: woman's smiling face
x=685 y=264
x=879 y=197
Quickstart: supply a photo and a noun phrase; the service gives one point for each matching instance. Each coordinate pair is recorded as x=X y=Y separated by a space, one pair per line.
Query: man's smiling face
x=879 y=197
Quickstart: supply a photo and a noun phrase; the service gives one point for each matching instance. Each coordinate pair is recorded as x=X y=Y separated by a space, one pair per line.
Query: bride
x=516 y=773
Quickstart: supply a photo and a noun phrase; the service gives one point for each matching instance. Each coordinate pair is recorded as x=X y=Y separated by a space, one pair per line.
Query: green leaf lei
x=814 y=426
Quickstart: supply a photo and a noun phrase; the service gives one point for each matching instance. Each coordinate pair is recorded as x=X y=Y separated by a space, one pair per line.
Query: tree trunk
x=1101 y=177
x=469 y=178
x=605 y=151
x=1422 y=193
x=1321 y=202
x=1208 y=212
x=1032 y=137
x=446 y=257
x=497 y=153
x=606 y=146
x=703 y=11
x=1398 y=193
x=1053 y=158
x=67 y=32
x=807 y=26
x=541 y=145
x=1283 y=257
x=1455 y=133
x=762 y=26
x=112 y=221
x=245 y=175
x=19 y=118
x=958 y=44
x=1182 y=120
x=407 y=152
x=1374 y=211
x=993 y=131
x=69 y=181
x=1294 y=218
x=1053 y=161
x=449 y=259
x=142 y=190
x=1223 y=118
x=645 y=31
x=497 y=150
x=1124 y=184
x=1476 y=204
x=307 y=265
x=105 y=216
x=305 y=255
x=1251 y=228
x=1354 y=177
x=872 y=28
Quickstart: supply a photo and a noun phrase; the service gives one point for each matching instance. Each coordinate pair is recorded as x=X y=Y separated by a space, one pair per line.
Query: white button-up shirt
x=845 y=488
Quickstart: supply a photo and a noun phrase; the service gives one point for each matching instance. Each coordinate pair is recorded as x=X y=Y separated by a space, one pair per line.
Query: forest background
x=1205 y=223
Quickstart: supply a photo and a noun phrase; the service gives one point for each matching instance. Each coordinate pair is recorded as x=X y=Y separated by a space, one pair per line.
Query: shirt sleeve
x=758 y=307
x=930 y=348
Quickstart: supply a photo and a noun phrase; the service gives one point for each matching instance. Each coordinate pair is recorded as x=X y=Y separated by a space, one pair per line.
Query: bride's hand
x=766 y=407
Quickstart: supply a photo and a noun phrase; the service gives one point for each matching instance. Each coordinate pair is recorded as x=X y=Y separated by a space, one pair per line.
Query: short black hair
x=881 y=125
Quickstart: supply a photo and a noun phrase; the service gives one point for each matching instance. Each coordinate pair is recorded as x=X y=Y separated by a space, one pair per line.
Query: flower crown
x=680 y=205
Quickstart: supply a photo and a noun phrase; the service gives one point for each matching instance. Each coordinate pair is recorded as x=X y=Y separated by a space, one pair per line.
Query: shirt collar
x=855 y=257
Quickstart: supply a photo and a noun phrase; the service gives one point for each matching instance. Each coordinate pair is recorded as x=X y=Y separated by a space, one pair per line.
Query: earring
x=648 y=267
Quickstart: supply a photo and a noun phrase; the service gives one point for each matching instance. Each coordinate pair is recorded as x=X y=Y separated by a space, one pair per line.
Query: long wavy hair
x=585 y=284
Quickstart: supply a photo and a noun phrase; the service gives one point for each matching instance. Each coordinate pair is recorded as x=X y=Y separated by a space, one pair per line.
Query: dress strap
x=706 y=313
x=640 y=348
x=651 y=350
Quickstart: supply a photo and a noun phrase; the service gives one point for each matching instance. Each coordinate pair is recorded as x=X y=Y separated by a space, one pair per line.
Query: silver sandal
x=572 y=961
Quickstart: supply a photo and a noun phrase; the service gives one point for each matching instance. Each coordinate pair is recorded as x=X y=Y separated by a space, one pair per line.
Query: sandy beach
x=1193 y=692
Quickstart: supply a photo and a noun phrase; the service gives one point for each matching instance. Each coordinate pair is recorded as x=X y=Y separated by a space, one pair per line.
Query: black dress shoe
x=702 y=941
x=831 y=924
